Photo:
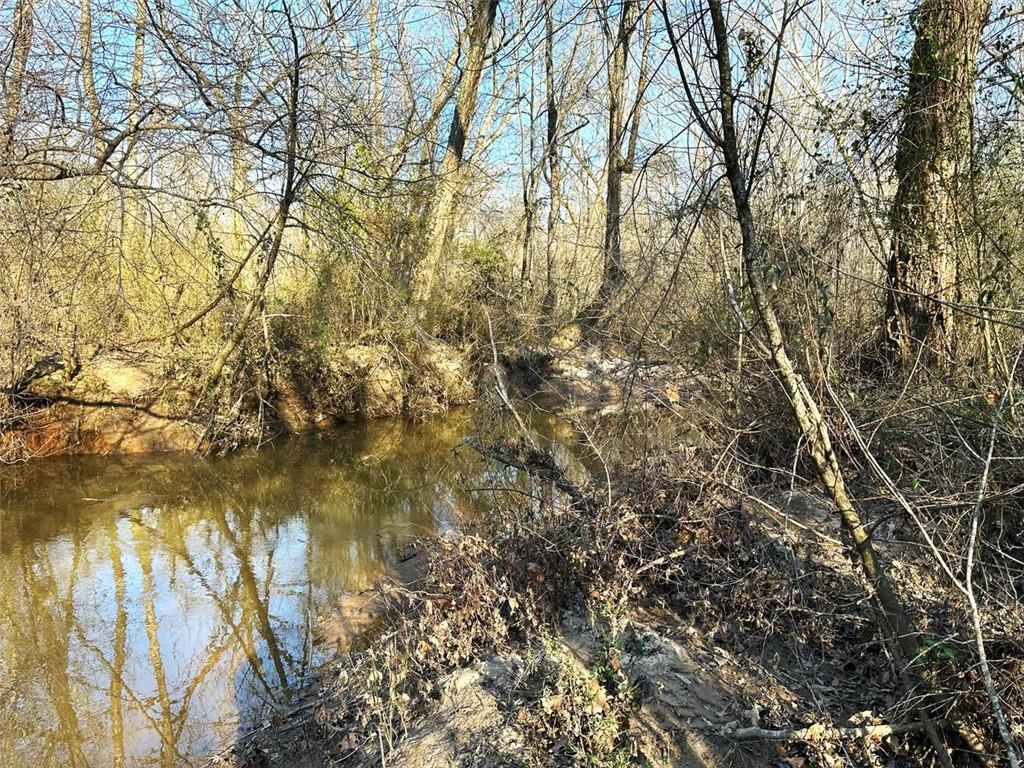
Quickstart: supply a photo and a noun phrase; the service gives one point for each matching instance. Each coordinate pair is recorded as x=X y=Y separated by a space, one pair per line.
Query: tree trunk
x=932 y=161
x=442 y=214
x=552 y=158
x=14 y=83
x=92 y=99
x=531 y=169
x=613 y=274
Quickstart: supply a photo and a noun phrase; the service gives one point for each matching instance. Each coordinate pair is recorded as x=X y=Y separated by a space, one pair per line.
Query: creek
x=154 y=608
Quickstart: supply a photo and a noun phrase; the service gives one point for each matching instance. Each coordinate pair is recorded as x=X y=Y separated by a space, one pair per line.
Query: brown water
x=153 y=608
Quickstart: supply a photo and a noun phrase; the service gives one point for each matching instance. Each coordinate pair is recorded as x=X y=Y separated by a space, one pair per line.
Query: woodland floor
x=670 y=684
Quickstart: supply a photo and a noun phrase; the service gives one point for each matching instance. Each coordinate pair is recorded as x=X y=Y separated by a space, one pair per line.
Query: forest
x=723 y=300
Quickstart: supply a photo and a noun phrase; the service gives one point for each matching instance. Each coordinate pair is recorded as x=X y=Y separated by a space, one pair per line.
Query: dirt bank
x=116 y=403
x=109 y=405
x=582 y=379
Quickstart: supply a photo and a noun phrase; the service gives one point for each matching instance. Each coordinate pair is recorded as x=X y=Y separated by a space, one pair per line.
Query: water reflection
x=150 y=608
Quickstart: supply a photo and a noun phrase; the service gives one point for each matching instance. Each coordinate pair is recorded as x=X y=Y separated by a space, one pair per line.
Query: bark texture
x=14 y=81
x=932 y=165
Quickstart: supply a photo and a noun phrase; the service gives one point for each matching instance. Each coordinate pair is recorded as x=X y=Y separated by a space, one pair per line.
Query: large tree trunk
x=932 y=161
x=442 y=212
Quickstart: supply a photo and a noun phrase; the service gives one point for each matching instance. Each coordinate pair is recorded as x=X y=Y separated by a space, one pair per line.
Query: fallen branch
x=536 y=463
x=819 y=732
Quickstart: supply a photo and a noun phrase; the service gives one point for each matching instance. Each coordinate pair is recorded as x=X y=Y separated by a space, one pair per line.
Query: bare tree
x=613 y=274
x=14 y=77
x=292 y=179
x=814 y=428
x=553 y=160
x=441 y=220
x=92 y=99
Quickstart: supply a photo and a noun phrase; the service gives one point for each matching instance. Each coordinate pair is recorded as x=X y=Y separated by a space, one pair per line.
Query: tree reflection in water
x=151 y=608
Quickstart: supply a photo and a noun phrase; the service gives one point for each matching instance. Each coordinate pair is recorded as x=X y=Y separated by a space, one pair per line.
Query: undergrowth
x=698 y=542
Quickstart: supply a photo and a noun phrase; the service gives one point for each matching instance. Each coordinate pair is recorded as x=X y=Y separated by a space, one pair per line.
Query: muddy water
x=153 y=608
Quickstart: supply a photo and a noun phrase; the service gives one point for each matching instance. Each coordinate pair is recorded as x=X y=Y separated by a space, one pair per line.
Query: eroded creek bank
x=118 y=403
